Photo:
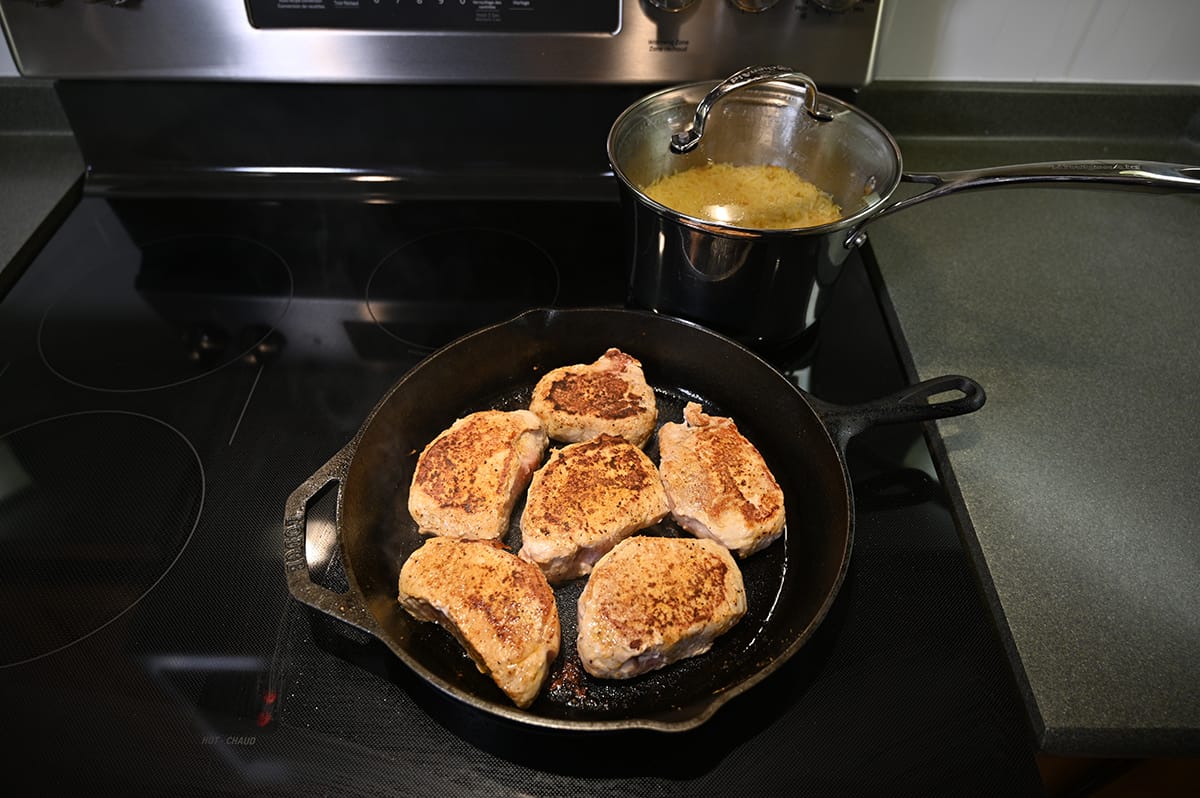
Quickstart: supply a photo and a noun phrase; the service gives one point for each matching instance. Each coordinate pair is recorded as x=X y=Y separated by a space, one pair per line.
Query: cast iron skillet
x=790 y=585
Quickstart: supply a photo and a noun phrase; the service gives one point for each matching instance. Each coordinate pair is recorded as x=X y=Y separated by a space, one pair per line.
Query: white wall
x=1100 y=41
x=7 y=67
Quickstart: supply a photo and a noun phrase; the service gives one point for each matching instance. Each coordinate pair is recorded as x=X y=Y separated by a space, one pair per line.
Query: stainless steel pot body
x=766 y=291
x=766 y=288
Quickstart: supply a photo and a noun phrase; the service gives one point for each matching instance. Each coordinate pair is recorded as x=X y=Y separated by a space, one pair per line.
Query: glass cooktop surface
x=172 y=369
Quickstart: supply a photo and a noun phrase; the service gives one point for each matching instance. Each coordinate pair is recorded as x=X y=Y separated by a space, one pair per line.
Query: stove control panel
x=515 y=42
x=488 y=16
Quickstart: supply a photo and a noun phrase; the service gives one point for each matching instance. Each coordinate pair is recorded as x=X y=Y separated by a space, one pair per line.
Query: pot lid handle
x=686 y=140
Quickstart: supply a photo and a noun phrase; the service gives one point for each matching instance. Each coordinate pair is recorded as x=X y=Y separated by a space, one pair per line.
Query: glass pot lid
x=759 y=117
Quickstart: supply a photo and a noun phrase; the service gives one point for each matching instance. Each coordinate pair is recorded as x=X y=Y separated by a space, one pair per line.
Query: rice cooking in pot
x=759 y=197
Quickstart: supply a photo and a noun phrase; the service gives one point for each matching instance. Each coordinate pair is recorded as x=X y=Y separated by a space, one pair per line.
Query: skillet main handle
x=918 y=402
x=295 y=559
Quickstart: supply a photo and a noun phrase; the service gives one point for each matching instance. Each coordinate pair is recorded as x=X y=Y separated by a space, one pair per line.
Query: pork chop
x=586 y=498
x=578 y=402
x=718 y=484
x=499 y=608
x=469 y=477
x=652 y=601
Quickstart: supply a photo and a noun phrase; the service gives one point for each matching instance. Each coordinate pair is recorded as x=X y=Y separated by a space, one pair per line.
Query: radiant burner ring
x=101 y=507
x=191 y=306
x=441 y=285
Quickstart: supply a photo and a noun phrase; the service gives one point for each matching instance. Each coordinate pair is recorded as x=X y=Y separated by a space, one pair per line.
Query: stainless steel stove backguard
x=441 y=41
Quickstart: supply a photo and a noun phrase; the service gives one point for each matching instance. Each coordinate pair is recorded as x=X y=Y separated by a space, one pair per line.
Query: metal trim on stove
x=352 y=42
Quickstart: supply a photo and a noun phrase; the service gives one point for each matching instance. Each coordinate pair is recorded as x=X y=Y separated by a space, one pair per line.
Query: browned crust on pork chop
x=469 y=477
x=652 y=601
x=718 y=483
x=586 y=498
x=579 y=402
x=499 y=608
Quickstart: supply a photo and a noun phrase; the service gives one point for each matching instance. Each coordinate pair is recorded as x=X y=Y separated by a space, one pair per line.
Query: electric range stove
x=285 y=211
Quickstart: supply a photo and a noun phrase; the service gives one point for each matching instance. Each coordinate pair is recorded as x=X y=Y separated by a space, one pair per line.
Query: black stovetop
x=172 y=369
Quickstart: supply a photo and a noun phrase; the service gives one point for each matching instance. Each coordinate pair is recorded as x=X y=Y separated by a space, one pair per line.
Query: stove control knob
x=672 y=5
x=754 y=6
x=836 y=5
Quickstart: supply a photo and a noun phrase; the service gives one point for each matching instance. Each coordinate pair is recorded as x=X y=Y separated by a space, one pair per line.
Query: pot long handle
x=939 y=397
x=295 y=535
x=1147 y=176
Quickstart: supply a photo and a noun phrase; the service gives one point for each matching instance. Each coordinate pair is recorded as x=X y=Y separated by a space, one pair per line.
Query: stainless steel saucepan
x=767 y=287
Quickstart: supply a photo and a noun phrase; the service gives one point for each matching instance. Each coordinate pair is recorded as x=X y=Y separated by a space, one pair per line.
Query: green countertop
x=1077 y=310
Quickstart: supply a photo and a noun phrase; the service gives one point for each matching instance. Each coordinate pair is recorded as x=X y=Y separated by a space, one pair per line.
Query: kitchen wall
x=1101 y=41
x=7 y=67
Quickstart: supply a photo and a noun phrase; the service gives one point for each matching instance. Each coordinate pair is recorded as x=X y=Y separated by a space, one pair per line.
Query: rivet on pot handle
x=687 y=140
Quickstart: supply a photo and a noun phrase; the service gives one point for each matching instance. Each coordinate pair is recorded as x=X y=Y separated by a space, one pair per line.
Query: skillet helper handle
x=295 y=560
x=687 y=140
x=921 y=402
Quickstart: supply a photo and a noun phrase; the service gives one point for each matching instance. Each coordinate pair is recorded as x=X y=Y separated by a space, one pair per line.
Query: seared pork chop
x=586 y=498
x=579 y=402
x=469 y=477
x=718 y=484
x=499 y=607
x=652 y=601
